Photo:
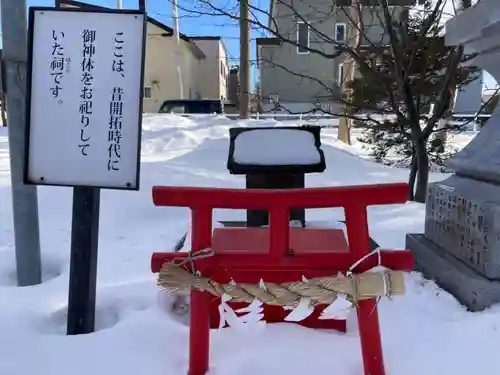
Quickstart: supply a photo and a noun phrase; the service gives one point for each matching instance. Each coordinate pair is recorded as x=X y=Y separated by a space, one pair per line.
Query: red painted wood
x=199 y=325
x=274 y=314
x=256 y=240
x=265 y=253
x=369 y=331
x=392 y=259
x=261 y=199
x=279 y=240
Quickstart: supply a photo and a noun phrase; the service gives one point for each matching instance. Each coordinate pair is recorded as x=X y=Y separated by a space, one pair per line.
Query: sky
x=193 y=23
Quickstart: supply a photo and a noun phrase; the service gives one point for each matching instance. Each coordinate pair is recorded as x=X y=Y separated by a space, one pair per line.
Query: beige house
x=161 y=80
x=215 y=68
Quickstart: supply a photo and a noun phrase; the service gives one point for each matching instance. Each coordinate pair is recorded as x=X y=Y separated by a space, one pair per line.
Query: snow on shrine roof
x=276 y=147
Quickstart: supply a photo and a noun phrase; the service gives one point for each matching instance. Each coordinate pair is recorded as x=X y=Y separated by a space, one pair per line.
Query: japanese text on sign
x=57 y=63
x=116 y=108
x=86 y=94
x=85 y=110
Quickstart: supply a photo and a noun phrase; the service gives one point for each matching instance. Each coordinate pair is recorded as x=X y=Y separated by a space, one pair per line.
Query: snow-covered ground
x=424 y=332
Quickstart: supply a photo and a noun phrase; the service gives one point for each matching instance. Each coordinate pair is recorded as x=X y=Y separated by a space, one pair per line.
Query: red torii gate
x=278 y=265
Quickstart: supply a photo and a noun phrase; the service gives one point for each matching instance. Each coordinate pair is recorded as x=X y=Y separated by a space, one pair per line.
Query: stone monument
x=460 y=248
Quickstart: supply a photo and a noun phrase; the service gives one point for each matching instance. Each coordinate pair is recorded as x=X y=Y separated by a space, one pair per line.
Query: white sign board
x=85 y=104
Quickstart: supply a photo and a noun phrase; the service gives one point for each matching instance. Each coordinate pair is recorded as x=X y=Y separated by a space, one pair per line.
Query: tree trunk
x=422 y=171
x=412 y=178
x=442 y=133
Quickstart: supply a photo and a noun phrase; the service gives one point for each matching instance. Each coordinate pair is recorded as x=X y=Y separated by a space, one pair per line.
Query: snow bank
x=424 y=332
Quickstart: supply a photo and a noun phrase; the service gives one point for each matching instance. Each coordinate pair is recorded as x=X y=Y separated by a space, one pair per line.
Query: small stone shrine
x=460 y=248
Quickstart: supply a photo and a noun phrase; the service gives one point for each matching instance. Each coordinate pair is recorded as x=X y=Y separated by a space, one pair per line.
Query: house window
x=274 y=99
x=340 y=74
x=147 y=92
x=340 y=32
x=302 y=37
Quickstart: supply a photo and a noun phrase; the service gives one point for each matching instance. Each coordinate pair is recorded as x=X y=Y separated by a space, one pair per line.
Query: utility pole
x=175 y=17
x=244 y=59
x=24 y=197
x=119 y=4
